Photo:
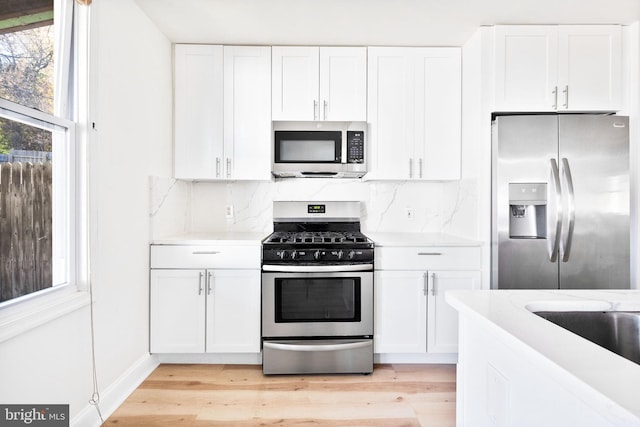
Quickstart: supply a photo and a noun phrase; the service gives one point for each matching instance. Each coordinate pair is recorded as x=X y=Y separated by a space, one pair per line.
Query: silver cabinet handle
x=210 y=282
x=567 y=235
x=565 y=91
x=205 y=252
x=410 y=168
x=430 y=253
x=554 y=223
x=200 y=289
x=420 y=167
x=431 y=283
x=315 y=110
x=325 y=109
x=425 y=284
x=217 y=167
x=554 y=92
x=228 y=167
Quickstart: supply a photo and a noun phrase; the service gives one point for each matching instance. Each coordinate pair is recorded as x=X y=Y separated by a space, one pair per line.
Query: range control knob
x=294 y=254
x=340 y=254
x=351 y=254
x=317 y=255
x=282 y=254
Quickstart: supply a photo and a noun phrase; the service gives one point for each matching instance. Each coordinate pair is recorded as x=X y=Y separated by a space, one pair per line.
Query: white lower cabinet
x=400 y=312
x=202 y=310
x=442 y=334
x=411 y=314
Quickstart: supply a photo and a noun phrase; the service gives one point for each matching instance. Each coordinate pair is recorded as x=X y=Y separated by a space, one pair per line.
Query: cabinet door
x=233 y=311
x=390 y=112
x=198 y=112
x=177 y=311
x=295 y=83
x=442 y=334
x=525 y=68
x=590 y=67
x=343 y=83
x=400 y=312
x=438 y=114
x=247 y=112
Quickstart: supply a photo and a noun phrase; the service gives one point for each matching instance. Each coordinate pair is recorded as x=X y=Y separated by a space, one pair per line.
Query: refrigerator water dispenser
x=528 y=210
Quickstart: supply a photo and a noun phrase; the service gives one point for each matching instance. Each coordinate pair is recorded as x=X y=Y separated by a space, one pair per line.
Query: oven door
x=318 y=304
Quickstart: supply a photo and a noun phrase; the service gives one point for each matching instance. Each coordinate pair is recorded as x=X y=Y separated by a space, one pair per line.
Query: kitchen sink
x=617 y=331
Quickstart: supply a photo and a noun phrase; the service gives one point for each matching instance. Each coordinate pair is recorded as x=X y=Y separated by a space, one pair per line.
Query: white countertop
x=418 y=239
x=380 y=239
x=213 y=238
x=577 y=363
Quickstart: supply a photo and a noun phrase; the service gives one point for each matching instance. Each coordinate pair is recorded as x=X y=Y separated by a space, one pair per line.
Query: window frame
x=71 y=111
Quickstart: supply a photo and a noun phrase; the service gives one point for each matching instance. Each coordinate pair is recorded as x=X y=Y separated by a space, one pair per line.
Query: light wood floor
x=239 y=395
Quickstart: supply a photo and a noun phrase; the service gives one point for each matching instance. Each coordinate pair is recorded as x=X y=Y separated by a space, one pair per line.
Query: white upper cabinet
x=414 y=112
x=247 y=112
x=590 y=67
x=343 y=84
x=198 y=86
x=438 y=114
x=319 y=83
x=222 y=112
x=558 y=68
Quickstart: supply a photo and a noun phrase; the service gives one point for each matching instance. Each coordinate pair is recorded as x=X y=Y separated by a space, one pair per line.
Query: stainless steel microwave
x=319 y=153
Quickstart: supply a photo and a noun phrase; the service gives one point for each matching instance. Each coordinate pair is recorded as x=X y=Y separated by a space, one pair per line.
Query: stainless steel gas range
x=317 y=290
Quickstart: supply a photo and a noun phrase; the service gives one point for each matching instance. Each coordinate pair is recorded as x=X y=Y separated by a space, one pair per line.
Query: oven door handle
x=317 y=347
x=317 y=268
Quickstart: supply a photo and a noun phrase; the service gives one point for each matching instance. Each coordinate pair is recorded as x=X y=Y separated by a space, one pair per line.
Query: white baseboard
x=116 y=393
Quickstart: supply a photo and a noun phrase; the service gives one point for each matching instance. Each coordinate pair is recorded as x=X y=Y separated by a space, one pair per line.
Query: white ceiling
x=367 y=22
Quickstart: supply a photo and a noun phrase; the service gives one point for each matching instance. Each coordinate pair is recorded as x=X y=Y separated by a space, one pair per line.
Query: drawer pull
x=430 y=253
x=205 y=252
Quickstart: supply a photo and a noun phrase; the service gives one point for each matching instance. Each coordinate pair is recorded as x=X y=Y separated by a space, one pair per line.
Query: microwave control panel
x=355 y=146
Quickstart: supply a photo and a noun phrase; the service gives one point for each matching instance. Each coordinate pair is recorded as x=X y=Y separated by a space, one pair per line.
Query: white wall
x=132 y=112
x=133 y=116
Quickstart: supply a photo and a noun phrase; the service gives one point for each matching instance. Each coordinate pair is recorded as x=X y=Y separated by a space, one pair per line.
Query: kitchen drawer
x=207 y=256
x=428 y=258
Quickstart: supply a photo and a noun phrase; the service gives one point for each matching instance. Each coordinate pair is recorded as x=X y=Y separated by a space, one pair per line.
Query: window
x=38 y=170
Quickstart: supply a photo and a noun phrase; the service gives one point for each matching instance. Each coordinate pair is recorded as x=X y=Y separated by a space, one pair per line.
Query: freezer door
x=524 y=148
x=594 y=174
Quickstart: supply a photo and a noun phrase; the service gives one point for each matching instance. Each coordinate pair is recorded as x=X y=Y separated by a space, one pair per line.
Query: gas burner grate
x=305 y=237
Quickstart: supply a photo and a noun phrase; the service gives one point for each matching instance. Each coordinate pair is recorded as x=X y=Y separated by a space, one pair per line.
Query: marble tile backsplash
x=180 y=206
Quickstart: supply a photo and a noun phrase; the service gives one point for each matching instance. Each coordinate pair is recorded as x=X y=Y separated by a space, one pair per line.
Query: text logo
x=34 y=415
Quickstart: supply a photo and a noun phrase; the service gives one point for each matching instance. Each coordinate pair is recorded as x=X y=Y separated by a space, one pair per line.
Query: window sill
x=27 y=315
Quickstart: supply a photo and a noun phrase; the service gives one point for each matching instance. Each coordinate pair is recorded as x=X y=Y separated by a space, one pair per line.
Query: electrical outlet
x=228 y=211
x=409 y=213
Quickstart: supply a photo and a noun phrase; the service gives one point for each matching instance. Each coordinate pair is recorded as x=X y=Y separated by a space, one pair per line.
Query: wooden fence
x=25 y=228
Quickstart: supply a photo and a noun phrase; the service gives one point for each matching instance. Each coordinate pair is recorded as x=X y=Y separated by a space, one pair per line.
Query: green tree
x=26 y=77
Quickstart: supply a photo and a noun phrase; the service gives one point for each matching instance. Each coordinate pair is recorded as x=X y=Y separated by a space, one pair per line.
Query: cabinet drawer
x=428 y=258
x=208 y=256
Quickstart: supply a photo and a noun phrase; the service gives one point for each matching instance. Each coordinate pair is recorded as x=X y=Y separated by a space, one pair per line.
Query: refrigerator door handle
x=554 y=224
x=567 y=234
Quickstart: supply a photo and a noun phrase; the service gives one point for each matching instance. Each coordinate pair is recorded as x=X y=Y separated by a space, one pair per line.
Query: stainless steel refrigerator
x=560 y=202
